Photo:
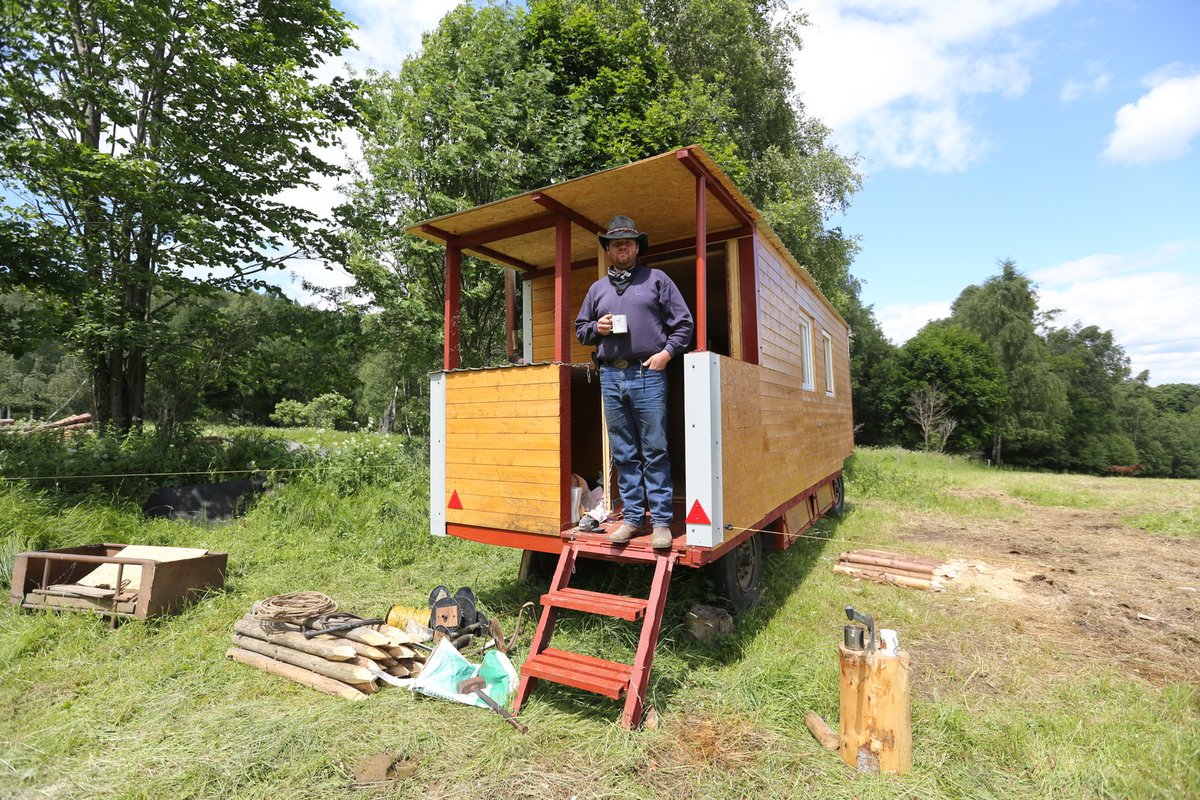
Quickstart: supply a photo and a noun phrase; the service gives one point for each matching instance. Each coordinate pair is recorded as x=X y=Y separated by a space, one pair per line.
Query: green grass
x=153 y=709
x=1176 y=522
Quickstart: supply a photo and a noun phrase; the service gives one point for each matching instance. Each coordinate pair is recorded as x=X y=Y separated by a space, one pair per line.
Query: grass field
x=1036 y=683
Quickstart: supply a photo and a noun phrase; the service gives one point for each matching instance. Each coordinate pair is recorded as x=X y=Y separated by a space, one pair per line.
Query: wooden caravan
x=759 y=407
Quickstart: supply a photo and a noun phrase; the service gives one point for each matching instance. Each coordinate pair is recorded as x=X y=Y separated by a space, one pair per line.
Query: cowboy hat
x=622 y=227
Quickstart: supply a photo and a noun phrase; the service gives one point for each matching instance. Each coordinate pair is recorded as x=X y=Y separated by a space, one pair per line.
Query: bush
x=290 y=413
x=82 y=465
x=329 y=410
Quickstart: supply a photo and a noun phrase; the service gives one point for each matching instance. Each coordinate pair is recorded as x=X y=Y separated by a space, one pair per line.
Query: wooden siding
x=543 y=315
x=778 y=437
x=503 y=441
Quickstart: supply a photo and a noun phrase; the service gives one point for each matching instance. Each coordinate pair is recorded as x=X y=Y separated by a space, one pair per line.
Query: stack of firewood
x=899 y=569
x=73 y=423
x=346 y=663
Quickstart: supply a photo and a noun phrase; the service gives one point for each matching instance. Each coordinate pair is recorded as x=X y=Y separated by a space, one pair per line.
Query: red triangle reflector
x=454 y=501
x=697 y=516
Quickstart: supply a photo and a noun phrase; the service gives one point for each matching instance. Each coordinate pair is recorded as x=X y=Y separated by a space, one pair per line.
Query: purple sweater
x=658 y=317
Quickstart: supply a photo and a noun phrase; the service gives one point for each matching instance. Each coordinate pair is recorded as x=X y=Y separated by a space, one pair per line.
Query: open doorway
x=587 y=444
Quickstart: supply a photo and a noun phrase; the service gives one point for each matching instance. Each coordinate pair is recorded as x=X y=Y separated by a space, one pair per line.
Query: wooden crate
x=143 y=581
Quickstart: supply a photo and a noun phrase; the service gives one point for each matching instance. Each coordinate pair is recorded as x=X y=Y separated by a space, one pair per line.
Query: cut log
x=365 y=635
x=366 y=688
x=365 y=663
x=912 y=564
x=397 y=636
x=338 y=670
x=297 y=674
x=922 y=560
x=876 y=733
x=400 y=671
x=925 y=576
x=368 y=651
x=886 y=577
x=402 y=652
x=326 y=649
x=820 y=731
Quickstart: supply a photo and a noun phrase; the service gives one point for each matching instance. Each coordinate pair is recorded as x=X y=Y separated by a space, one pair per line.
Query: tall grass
x=153 y=710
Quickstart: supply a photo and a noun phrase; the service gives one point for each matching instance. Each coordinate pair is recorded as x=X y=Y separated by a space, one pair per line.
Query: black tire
x=738 y=573
x=839 y=498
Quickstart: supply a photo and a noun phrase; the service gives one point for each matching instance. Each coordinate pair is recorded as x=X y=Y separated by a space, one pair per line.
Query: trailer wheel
x=738 y=574
x=839 y=497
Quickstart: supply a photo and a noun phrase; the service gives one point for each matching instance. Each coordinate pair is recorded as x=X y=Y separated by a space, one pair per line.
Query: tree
x=1003 y=311
x=930 y=409
x=147 y=145
x=872 y=359
x=964 y=369
x=504 y=99
x=1092 y=365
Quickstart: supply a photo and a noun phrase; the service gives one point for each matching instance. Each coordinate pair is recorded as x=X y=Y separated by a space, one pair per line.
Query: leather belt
x=619 y=363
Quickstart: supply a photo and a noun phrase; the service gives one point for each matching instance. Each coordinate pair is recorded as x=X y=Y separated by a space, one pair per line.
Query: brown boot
x=622 y=534
x=661 y=538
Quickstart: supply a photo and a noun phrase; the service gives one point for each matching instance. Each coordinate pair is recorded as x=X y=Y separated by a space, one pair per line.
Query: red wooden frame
x=748 y=278
x=451 y=353
x=701 y=264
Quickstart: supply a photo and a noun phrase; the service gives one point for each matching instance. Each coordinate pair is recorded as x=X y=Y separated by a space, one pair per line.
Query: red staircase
x=609 y=678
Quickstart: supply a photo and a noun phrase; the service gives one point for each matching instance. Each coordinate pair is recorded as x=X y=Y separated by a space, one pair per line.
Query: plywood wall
x=503 y=437
x=780 y=438
x=543 y=315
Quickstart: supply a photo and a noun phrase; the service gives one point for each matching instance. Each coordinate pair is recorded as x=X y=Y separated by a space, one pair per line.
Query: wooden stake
x=888 y=577
x=301 y=676
x=875 y=727
x=248 y=626
x=820 y=731
x=339 y=671
x=909 y=565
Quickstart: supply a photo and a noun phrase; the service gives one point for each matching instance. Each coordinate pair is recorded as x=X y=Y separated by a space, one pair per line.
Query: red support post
x=701 y=311
x=563 y=323
x=748 y=278
x=451 y=355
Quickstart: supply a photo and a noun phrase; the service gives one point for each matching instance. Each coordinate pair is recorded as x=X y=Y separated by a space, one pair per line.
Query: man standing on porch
x=638 y=321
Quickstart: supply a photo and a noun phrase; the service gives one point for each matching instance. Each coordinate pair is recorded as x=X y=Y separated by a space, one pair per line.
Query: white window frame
x=806 y=352
x=827 y=346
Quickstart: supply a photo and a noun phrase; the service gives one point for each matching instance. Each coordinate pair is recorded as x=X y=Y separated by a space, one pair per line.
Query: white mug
x=620 y=323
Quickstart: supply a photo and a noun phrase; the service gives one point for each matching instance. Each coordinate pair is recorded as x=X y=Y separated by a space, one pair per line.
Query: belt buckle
x=620 y=363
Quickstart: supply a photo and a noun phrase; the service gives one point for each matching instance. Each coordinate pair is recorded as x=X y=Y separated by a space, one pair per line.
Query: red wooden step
x=611 y=605
x=608 y=678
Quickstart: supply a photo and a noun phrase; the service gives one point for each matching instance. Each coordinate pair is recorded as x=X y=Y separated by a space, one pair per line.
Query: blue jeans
x=635 y=407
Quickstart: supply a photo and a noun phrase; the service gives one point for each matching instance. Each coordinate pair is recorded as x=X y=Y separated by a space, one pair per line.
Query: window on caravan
x=806 y=352
x=827 y=342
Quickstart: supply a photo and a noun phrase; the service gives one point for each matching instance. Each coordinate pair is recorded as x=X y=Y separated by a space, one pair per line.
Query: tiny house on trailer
x=759 y=407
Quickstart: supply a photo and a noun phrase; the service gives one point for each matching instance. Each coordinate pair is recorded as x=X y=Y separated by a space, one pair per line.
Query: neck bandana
x=620 y=278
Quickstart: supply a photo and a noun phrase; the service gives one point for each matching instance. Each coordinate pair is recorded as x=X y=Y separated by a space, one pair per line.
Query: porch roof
x=658 y=192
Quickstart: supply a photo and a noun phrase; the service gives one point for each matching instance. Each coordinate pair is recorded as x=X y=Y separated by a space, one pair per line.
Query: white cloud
x=901 y=321
x=891 y=78
x=1105 y=265
x=390 y=30
x=1148 y=300
x=1094 y=81
x=1160 y=125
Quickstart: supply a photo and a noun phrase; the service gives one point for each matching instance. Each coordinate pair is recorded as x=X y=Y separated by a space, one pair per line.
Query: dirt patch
x=1112 y=592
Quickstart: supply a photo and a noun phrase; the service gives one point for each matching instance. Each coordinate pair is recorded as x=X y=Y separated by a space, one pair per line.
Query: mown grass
x=153 y=710
x=1176 y=522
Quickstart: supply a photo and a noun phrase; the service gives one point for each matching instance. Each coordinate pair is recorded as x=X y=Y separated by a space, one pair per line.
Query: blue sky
x=1061 y=134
